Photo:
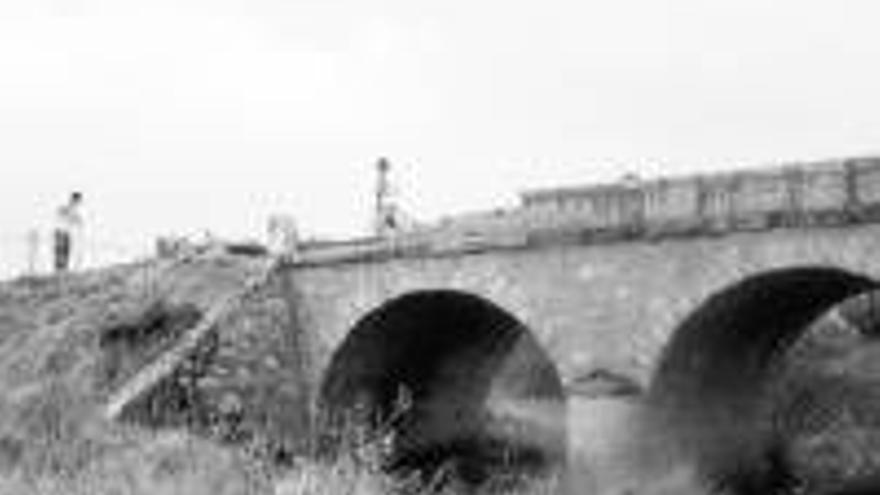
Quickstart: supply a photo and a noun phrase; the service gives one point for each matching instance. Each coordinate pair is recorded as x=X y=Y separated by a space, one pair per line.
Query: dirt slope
x=54 y=368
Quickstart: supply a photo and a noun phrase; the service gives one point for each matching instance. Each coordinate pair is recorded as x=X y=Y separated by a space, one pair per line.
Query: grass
x=60 y=456
x=51 y=368
x=169 y=463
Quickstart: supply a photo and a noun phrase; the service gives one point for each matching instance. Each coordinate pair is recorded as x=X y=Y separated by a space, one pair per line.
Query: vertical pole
x=383 y=169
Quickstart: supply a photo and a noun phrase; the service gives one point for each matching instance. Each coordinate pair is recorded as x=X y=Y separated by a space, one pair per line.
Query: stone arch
x=480 y=389
x=708 y=401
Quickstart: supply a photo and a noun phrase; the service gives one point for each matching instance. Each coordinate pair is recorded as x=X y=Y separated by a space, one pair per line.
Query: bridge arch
x=458 y=379
x=708 y=399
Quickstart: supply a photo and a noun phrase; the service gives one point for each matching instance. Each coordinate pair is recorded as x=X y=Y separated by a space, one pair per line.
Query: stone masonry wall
x=606 y=306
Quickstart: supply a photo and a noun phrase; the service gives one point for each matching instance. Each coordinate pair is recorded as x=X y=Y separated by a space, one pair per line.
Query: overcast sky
x=183 y=115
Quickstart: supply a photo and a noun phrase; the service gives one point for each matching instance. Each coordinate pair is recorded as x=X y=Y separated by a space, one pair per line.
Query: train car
x=572 y=211
x=671 y=206
x=716 y=206
x=761 y=199
x=565 y=213
x=822 y=193
x=629 y=208
x=586 y=213
x=864 y=177
x=615 y=210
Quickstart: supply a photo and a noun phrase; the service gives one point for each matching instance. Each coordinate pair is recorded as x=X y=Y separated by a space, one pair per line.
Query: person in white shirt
x=68 y=226
x=283 y=236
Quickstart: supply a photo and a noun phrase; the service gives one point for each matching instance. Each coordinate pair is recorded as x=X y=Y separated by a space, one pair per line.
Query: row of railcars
x=822 y=193
x=826 y=193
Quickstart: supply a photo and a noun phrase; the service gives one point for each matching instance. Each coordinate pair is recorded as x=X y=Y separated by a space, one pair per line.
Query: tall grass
x=53 y=443
x=175 y=463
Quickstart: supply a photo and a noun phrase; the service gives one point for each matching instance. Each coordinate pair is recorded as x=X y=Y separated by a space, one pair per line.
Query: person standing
x=33 y=250
x=390 y=219
x=68 y=227
x=283 y=237
x=384 y=221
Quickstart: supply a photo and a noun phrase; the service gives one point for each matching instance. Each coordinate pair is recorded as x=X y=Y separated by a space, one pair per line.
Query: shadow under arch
x=480 y=390
x=708 y=401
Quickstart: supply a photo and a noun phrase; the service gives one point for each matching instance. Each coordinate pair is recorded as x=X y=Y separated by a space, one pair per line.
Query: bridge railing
x=319 y=251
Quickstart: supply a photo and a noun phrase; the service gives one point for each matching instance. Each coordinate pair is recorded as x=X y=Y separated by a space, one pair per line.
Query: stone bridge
x=477 y=346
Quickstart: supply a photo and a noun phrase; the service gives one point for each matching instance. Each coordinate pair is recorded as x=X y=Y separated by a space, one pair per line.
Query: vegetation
x=64 y=450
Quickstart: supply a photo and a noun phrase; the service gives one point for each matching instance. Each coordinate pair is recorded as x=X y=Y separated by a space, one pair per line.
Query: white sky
x=184 y=115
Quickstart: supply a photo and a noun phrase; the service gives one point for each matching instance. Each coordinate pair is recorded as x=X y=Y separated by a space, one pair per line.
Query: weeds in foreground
x=64 y=450
x=175 y=463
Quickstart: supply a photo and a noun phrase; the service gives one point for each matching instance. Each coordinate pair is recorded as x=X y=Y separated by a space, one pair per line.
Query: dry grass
x=50 y=366
x=118 y=460
x=165 y=465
